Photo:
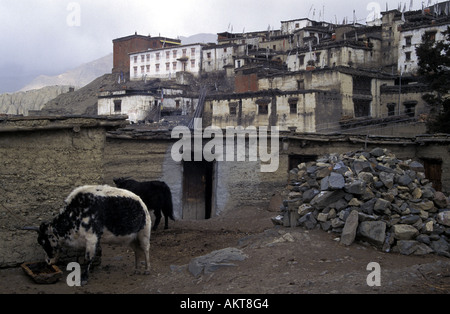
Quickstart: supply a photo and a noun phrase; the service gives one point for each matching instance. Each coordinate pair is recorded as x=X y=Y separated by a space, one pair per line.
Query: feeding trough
x=42 y=273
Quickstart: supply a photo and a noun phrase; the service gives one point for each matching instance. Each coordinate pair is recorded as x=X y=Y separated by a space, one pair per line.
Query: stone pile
x=372 y=197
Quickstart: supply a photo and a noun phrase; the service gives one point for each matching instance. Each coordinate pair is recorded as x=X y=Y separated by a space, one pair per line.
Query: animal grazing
x=155 y=194
x=94 y=213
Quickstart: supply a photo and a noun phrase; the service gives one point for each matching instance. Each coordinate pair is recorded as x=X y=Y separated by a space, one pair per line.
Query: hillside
x=81 y=101
x=20 y=103
x=78 y=77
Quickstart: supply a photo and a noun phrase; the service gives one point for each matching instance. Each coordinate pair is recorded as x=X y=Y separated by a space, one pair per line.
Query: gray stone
x=337 y=223
x=373 y=232
x=368 y=206
x=408 y=247
x=424 y=205
x=416 y=166
x=381 y=205
x=215 y=260
x=387 y=179
x=349 y=232
x=325 y=198
x=441 y=247
x=440 y=200
x=377 y=152
x=410 y=219
x=309 y=195
x=323 y=172
x=334 y=181
x=404 y=180
x=362 y=166
x=308 y=221
x=357 y=187
x=405 y=232
x=304 y=209
x=444 y=218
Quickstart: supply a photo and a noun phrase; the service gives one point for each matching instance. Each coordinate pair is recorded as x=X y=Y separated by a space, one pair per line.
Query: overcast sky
x=51 y=36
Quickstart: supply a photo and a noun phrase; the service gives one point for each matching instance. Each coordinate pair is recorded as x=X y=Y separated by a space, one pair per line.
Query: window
x=157 y=56
x=208 y=55
x=184 y=52
x=408 y=41
x=302 y=59
x=263 y=109
x=263 y=106
x=148 y=68
x=174 y=54
x=174 y=66
x=430 y=36
x=142 y=69
x=233 y=108
x=293 y=101
x=193 y=63
x=118 y=106
x=192 y=51
x=225 y=49
x=408 y=56
x=300 y=84
x=168 y=66
x=148 y=58
x=391 y=109
x=410 y=108
x=135 y=71
x=135 y=59
x=167 y=54
x=142 y=58
x=157 y=67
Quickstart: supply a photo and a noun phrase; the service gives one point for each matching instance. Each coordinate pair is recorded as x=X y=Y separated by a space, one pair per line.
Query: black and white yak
x=94 y=213
x=155 y=194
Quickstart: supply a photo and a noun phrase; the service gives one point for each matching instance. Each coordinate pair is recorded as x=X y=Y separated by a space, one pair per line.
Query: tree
x=434 y=67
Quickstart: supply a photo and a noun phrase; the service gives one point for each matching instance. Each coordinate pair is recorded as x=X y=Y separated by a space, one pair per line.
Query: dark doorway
x=433 y=172
x=197 y=189
x=295 y=160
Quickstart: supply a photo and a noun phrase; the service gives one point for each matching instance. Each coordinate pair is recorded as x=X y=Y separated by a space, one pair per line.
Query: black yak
x=155 y=194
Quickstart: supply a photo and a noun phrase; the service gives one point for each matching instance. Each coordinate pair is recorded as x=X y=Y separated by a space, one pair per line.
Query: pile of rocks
x=369 y=196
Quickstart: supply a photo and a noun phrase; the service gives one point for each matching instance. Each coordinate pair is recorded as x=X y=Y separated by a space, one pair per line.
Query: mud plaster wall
x=38 y=169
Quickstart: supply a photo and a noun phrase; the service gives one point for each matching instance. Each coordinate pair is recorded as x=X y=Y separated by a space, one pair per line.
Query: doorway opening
x=295 y=160
x=197 y=189
x=433 y=172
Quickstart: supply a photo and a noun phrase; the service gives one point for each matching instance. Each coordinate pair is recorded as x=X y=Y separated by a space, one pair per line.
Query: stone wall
x=42 y=161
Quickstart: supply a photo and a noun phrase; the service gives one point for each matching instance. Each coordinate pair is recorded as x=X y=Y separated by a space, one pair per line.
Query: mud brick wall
x=41 y=162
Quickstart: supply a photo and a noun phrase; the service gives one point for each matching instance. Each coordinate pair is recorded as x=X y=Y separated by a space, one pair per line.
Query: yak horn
x=32 y=228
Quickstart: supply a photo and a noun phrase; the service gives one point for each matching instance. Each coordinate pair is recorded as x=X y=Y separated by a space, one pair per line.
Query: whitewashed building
x=411 y=37
x=166 y=62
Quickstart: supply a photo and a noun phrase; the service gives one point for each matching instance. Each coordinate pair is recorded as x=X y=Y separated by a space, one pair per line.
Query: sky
x=50 y=37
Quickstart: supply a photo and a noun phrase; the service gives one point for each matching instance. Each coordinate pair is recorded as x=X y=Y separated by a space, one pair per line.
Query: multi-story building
x=166 y=62
x=125 y=45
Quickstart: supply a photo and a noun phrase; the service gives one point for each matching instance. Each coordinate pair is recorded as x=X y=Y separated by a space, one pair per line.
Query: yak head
x=48 y=240
x=120 y=182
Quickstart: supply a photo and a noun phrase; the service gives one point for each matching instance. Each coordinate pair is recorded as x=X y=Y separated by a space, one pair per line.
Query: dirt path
x=280 y=261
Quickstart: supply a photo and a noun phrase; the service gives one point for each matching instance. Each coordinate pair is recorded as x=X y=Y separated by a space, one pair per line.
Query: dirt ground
x=301 y=262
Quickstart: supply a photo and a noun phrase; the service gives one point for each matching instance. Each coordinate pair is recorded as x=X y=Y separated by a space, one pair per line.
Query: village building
x=412 y=34
x=123 y=46
x=166 y=62
x=358 y=74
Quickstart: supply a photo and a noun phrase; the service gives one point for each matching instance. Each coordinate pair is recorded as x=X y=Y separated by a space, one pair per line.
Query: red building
x=135 y=43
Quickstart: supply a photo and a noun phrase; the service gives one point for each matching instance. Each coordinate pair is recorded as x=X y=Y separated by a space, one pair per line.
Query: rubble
x=372 y=197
